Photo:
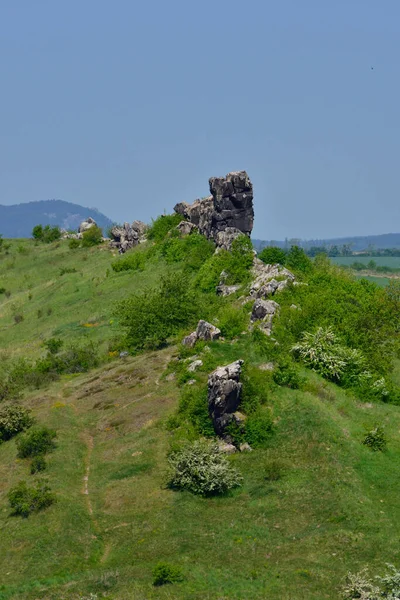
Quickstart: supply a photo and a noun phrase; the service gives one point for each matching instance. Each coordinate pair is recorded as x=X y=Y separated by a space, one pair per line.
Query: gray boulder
x=262 y=309
x=207 y=332
x=190 y=340
x=186 y=227
x=128 y=235
x=224 y=389
x=85 y=225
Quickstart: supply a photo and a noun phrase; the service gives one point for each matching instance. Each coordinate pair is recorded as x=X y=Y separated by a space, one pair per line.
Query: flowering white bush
x=360 y=586
x=201 y=469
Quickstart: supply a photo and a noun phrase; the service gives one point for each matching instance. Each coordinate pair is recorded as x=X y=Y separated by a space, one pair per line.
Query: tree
x=272 y=255
x=92 y=236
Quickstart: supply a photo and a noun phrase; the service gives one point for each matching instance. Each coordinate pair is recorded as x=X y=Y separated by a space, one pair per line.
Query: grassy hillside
x=315 y=502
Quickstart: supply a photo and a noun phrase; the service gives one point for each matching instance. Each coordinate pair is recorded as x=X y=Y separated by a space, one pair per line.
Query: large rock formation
x=127 y=236
x=224 y=390
x=227 y=213
x=85 y=225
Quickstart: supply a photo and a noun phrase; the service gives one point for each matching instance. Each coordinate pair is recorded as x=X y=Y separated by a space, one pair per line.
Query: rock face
x=228 y=211
x=205 y=331
x=127 y=236
x=85 y=225
x=224 y=390
x=264 y=311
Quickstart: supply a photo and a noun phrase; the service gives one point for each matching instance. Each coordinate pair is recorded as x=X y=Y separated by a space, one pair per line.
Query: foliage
x=193 y=406
x=74 y=243
x=131 y=261
x=259 y=428
x=193 y=250
x=38 y=464
x=272 y=255
x=151 y=317
x=46 y=234
x=160 y=228
x=201 y=469
x=53 y=345
x=235 y=265
x=298 y=260
x=375 y=439
x=232 y=321
x=75 y=359
x=360 y=585
x=13 y=419
x=92 y=237
x=36 y=442
x=166 y=573
x=390 y=583
x=286 y=374
x=255 y=388
x=322 y=352
x=25 y=499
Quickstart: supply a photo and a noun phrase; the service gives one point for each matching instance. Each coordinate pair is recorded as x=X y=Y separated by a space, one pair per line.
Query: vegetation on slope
x=315 y=500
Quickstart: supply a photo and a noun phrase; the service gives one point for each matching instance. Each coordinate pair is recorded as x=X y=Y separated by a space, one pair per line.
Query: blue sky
x=131 y=106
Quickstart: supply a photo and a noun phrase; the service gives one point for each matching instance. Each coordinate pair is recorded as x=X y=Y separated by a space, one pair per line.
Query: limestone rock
x=264 y=279
x=186 y=227
x=226 y=448
x=190 y=340
x=227 y=290
x=245 y=447
x=85 y=225
x=230 y=206
x=224 y=390
x=262 y=309
x=128 y=235
x=224 y=239
x=195 y=365
x=269 y=366
x=207 y=332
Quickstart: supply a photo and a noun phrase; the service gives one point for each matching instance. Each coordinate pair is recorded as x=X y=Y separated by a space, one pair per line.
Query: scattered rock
x=224 y=390
x=245 y=447
x=190 y=340
x=207 y=332
x=186 y=227
x=85 y=225
x=262 y=309
x=128 y=235
x=226 y=448
x=195 y=365
x=267 y=366
x=230 y=206
x=123 y=354
x=191 y=382
x=227 y=290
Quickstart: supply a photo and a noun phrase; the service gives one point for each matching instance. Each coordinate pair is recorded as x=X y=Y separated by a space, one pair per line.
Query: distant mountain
x=358 y=243
x=18 y=220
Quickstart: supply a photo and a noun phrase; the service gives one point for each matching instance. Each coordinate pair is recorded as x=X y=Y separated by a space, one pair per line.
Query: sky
x=130 y=106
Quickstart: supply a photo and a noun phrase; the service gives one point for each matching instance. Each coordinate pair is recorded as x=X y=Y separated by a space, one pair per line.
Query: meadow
x=381 y=261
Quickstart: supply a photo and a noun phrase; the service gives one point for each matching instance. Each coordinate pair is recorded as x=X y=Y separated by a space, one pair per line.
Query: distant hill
x=18 y=220
x=358 y=243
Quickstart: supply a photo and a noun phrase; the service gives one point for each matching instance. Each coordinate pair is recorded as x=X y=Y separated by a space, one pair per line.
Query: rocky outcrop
x=186 y=227
x=128 y=235
x=85 y=225
x=205 y=331
x=268 y=279
x=224 y=389
x=229 y=209
x=264 y=311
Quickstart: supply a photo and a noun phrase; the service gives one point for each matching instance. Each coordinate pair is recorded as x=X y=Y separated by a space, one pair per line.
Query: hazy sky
x=131 y=106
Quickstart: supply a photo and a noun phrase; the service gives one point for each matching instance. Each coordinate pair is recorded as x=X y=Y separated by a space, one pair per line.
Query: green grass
x=335 y=507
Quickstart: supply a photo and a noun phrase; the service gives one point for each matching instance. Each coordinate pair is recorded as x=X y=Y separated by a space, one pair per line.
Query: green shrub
x=259 y=428
x=53 y=345
x=66 y=270
x=193 y=249
x=160 y=228
x=13 y=419
x=193 y=406
x=25 y=499
x=286 y=374
x=272 y=255
x=298 y=260
x=166 y=573
x=92 y=237
x=2 y=290
x=75 y=359
x=134 y=260
x=46 y=234
x=375 y=439
x=36 y=442
x=255 y=388
x=232 y=321
x=152 y=316
x=38 y=464
x=201 y=469
x=74 y=243
x=18 y=318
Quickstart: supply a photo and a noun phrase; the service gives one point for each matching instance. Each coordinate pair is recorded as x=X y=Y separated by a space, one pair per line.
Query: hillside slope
x=18 y=220
x=315 y=502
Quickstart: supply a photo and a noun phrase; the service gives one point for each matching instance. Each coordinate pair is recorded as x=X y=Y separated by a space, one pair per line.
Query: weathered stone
x=207 y=332
x=267 y=366
x=195 y=365
x=190 y=340
x=85 y=225
x=224 y=390
x=186 y=227
x=230 y=206
x=127 y=236
x=226 y=448
x=225 y=238
x=245 y=447
x=227 y=290
x=262 y=309
x=264 y=279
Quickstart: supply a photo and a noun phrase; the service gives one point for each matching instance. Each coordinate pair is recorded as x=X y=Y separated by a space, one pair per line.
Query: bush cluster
x=92 y=236
x=36 y=442
x=200 y=468
x=25 y=499
x=375 y=439
x=166 y=573
x=46 y=234
x=160 y=228
x=13 y=419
